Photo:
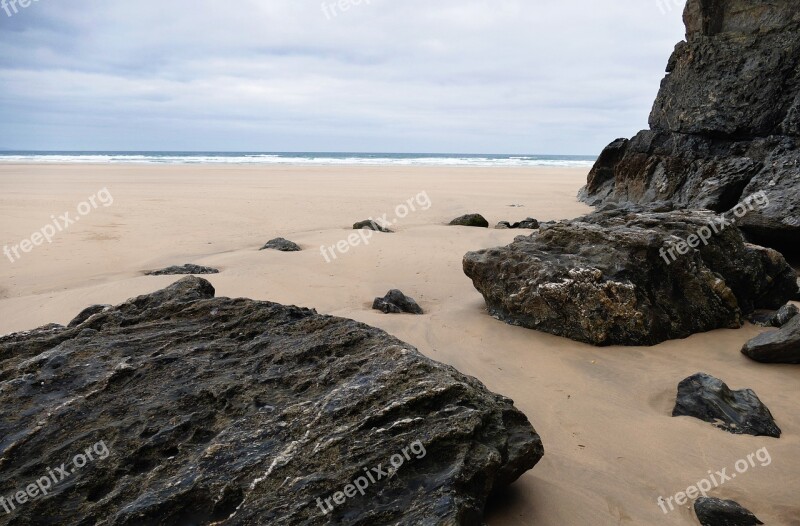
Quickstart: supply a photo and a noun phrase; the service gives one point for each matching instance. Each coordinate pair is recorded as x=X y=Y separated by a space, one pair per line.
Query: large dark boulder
x=739 y=412
x=609 y=278
x=725 y=124
x=781 y=346
x=718 y=512
x=233 y=411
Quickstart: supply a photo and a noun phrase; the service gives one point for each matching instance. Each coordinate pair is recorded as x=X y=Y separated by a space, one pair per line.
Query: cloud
x=501 y=76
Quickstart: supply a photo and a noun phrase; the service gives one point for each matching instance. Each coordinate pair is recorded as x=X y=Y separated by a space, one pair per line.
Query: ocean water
x=310 y=158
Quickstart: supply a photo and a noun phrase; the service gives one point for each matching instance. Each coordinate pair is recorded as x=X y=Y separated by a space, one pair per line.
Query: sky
x=435 y=76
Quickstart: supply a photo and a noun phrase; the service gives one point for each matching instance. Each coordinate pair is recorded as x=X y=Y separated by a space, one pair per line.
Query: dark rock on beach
x=781 y=346
x=739 y=412
x=370 y=224
x=777 y=318
x=718 y=512
x=474 y=220
x=725 y=124
x=232 y=411
x=184 y=269
x=609 y=278
x=395 y=302
x=526 y=224
x=282 y=245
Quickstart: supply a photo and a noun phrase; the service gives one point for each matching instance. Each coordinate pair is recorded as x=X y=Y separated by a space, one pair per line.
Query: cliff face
x=736 y=75
x=725 y=124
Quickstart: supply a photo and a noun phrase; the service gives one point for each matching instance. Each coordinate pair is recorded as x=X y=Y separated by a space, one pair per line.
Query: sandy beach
x=612 y=448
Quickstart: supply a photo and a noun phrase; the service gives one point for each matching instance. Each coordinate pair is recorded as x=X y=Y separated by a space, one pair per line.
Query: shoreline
x=36 y=164
x=289 y=165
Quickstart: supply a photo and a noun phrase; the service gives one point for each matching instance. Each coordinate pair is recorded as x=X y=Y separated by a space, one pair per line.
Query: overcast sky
x=466 y=76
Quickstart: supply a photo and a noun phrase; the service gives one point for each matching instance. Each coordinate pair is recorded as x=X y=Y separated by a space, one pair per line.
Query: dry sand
x=604 y=414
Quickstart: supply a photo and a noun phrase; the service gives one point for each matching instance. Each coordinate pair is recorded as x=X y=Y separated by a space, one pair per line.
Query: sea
x=295 y=158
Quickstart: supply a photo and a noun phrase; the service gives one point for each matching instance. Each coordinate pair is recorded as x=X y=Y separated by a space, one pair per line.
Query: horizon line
x=9 y=150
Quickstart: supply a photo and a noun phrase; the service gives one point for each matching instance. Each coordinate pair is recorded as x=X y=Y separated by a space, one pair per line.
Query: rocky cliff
x=725 y=124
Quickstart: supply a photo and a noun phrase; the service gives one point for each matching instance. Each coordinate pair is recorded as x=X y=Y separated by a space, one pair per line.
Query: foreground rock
x=717 y=512
x=781 y=346
x=232 y=411
x=526 y=224
x=183 y=269
x=609 y=278
x=369 y=224
x=282 y=245
x=739 y=412
x=473 y=220
x=395 y=302
x=725 y=124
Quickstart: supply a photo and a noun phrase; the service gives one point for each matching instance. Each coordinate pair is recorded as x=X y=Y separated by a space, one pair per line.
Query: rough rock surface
x=797 y=294
x=395 y=302
x=717 y=512
x=606 y=278
x=183 y=269
x=87 y=313
x=777 y=318
x=474 y=220
x=370 y=224
x=781 y=346
x=233 y=411
x=282 y=245
x=739 y=412
x=725 y=124
x=526 y=224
